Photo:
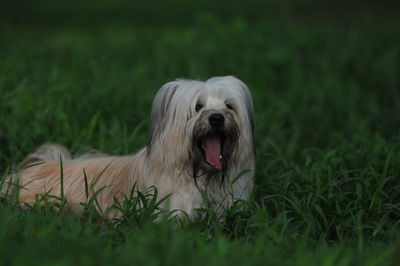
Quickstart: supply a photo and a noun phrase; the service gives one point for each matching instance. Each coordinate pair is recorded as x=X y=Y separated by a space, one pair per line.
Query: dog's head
x=202 y=124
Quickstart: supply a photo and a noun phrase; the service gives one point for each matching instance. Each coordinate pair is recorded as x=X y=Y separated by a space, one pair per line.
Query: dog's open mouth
x=212 y=146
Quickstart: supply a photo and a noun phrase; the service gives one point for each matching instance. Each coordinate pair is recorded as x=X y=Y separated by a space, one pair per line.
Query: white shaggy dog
x=200 y=143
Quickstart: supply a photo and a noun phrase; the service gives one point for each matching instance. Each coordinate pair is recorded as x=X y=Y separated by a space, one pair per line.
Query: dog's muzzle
x=216 y=136
x=212 y=143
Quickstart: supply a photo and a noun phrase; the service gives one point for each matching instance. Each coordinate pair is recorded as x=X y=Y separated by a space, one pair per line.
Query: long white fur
x=164 y=163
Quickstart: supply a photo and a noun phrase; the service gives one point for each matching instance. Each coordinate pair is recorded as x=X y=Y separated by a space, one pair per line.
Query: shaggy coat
x=200 y=141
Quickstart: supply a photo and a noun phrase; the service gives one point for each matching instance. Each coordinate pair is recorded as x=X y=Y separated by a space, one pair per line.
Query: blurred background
x=84 y=73
x=178 y=12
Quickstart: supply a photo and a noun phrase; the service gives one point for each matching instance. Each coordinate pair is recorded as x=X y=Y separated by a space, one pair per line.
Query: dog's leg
x=47 y=152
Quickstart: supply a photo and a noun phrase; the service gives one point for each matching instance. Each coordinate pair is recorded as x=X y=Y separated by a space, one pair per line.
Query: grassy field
x=326 y=86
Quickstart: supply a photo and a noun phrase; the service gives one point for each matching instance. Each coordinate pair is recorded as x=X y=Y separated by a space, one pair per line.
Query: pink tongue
x=212 y=148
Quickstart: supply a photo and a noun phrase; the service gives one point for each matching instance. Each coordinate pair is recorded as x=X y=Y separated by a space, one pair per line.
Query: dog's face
x=215 y=131
x=202 y=124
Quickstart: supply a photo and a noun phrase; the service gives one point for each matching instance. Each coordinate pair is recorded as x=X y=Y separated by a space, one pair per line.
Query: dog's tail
x=47 y=152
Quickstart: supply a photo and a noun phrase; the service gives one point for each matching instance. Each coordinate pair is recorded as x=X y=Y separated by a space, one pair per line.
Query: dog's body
x=201 y=140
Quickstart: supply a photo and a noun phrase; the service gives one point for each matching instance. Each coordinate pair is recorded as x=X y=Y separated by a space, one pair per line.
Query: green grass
x=327 y=132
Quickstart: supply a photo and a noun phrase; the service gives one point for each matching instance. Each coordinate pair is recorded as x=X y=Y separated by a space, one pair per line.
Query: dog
x=200 y=143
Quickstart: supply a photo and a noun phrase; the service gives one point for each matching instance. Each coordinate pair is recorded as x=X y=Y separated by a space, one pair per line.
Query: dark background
x=325 y=80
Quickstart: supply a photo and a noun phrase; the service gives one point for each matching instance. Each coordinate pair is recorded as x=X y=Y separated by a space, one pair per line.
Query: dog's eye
x=229 y=106
x=198 y=107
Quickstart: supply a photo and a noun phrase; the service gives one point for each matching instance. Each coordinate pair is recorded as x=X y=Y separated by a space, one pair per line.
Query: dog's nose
x=216 y=120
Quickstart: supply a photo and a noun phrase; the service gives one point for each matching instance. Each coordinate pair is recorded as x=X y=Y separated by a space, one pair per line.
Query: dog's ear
x=160 y=109
x=248 y=100
x=249 y=106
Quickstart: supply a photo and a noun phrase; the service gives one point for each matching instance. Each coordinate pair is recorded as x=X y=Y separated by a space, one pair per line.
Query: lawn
x=326 y=87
